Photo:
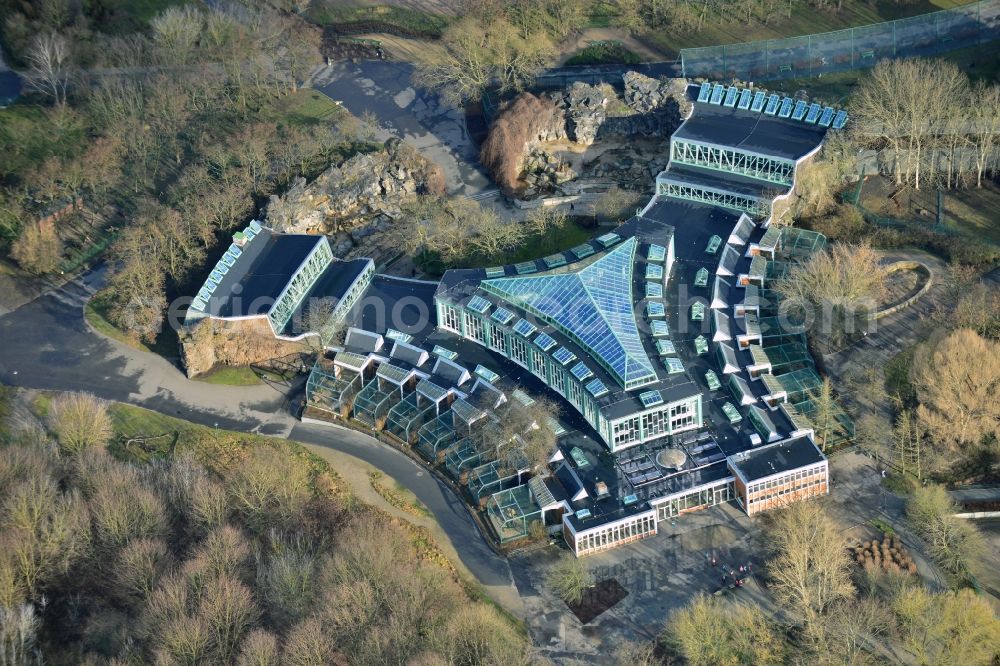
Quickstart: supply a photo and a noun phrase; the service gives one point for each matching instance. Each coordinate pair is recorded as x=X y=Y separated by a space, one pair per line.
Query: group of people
x=738 y=575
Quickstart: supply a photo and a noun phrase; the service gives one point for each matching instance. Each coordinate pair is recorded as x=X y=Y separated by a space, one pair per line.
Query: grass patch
x=398 y=496
x=378 y=18
x=31 y=134
x=803 y=20
x=604 y=53
x=306 y=107
x=229 y=375
x=897 y=377
x=979 y=62
x=558 y=239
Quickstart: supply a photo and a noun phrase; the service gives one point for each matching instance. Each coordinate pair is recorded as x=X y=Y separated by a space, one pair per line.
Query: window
x=653 y=424
x=474 y=328
x=538 y=363
x=498 y=339
x=451 y=320
x=519 y=350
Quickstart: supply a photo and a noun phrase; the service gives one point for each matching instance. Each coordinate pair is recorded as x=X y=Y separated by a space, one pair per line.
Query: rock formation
x=351 y=200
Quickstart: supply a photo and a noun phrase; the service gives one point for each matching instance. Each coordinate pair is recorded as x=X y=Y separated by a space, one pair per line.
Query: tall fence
x=851 y=48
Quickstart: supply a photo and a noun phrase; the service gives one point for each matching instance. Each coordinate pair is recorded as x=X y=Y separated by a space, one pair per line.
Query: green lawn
x=604 y=53
x=230 y=376
x=979 y=62
x=561 y=238
x=378 y=18
x=804 y=20
x=306 y=107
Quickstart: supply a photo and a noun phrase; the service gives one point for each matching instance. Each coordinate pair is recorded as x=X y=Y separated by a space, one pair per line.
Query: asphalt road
x=46 y=344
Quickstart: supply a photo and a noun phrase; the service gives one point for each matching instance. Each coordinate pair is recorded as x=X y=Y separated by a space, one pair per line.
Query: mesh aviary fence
x=851 y=48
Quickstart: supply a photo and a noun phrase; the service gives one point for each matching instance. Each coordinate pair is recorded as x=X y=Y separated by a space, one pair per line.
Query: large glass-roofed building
x=592 y=306
x=587 y=339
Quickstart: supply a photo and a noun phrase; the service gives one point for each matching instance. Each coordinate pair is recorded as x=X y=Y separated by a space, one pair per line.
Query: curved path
x=46 y=344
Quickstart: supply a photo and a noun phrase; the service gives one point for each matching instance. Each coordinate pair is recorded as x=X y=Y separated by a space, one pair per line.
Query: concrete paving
x=421 y=119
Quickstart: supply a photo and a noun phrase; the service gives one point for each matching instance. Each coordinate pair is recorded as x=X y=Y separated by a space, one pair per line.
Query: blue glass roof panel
x=592 y=306
x=758 y=101
x=563 y=355
x=544 y=341
x=772 y=105
x=502 y=315
x=651 y=398
x=524 y=327
x=581 y=371
x=478 y=304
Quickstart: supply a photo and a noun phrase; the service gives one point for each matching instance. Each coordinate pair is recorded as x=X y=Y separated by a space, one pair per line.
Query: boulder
x=349 y=195
x=586 y=111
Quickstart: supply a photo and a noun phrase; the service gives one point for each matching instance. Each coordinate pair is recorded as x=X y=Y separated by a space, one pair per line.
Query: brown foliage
x=38 y=248
x=80 y=421
x=515 y=129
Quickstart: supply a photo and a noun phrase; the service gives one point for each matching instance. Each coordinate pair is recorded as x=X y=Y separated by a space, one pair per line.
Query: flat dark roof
x=754 y=132
x=333 y=284
x=777 y=458
x=260 y=274
x=720 y=180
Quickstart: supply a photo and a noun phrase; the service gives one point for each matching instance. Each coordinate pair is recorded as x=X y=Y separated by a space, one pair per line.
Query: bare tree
x=709 y=631
x=957 y=382
x=810 y=567
x=569 y=579
x=49 y=66
x=947 y=628
x=494 y=235
x=953 y=542
x=985 y=116
x=476 y=52
x=176 y=31
x=80 y=421
x=543 y=219
x=38 y=249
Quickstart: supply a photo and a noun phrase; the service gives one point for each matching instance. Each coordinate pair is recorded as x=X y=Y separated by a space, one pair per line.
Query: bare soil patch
x=597 y=599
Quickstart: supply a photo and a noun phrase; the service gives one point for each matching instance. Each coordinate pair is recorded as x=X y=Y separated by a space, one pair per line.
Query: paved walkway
x=46 y=344
x=421 y=119
x=898 y=331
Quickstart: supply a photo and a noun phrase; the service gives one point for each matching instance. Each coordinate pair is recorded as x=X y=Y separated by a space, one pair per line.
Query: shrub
x=515 y=128
x=38 y=248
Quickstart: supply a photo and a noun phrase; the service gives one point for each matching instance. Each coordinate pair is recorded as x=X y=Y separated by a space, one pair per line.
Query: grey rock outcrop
x=645 y=94
x=586 y=111
x=364 y=191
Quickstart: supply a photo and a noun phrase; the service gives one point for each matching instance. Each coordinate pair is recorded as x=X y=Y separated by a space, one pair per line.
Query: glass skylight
x=655 y=309
x=659 y=328
x=654 y=290
x=444 y=353
x=524 y=327
x=596 y=388
x=487 y=374
x=654 y=272
x=563 y=355
x=544 y=341
x=651 y=398
x=593 y=307
x=581 y=371
x=656 y=253
x=478 y=304
x=673 y=365
x=502 y=315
